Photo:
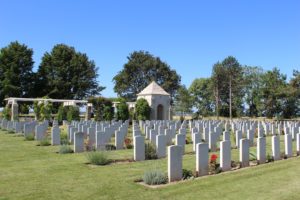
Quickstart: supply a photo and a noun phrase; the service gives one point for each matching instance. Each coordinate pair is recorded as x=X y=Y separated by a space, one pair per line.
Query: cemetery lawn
x=31 y=172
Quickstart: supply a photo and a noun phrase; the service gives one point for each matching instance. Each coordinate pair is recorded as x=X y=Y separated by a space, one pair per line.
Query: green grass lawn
x=28 y=171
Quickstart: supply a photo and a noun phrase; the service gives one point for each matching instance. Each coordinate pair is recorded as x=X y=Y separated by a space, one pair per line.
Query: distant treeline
x=233 y=90
x=236 y=90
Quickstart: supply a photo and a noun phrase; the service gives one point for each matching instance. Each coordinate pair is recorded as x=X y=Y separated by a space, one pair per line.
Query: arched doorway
x=160 y=112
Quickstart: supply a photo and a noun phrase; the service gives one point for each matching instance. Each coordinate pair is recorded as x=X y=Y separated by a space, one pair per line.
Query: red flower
x=213 y=158
x=127 y=141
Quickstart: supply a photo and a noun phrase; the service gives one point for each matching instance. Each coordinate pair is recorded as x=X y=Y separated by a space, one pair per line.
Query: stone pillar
x=261 y=150
x=174 y=163
x=55 y=135
x=161 y=146
x=14 y=112
x=288 y=145
x=202 y=159
x=244 y=152
x=276 y=147
x=78 y=142
x=225 y=155
x=88 y=111
x=139 y=148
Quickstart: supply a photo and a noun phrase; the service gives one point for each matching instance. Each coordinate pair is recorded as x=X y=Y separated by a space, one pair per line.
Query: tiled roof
x=153 y=88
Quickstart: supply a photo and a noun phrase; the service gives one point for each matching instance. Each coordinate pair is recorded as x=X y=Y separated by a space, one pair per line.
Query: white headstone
x=100 y=140
x=276 y=147
x=225 y=155
x=119 y=140
x=250 y=137
x=174 y=163
x=244 y=152
x=161 y=146
x=202 y=159
x=288 y=145
x=238 y=137
x=55 y=135
x=298 y=143
x=39 y=132
x=212 y=142
x=78 y=142
x=180 y=141
x=153 y=136
x=92 y=135
x=168 y=136
x=261 y=150
x=197 y=139
x=139 y=148
x=226 y=136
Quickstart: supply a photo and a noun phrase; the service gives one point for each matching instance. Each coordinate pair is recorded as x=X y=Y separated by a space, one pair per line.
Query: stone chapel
x=159 y=101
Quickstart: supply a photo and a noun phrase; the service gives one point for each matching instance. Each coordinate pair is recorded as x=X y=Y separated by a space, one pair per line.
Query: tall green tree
x=273 y=92
x=73 y=113
x=122 y=111
x=201 y=91
x=108 y=113
x=219 y=81
x=253 y=90
x=141 y=69
x=16 y=76
x=65 y=73
x=142 y=109
x=183 y=101
x=291 y=102
x=234 y=75
x=62 y=113
x=102 y=108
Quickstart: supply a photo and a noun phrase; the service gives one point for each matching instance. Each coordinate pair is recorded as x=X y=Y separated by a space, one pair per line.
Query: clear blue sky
x=189 y=35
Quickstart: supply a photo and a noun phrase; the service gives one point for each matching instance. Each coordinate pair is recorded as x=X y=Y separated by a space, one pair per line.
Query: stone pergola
x=13 y=101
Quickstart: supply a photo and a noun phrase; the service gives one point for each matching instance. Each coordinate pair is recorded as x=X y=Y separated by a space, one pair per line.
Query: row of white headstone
x=175 y=152
x=202 y=152
x=38 y=130
x=98 y=134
